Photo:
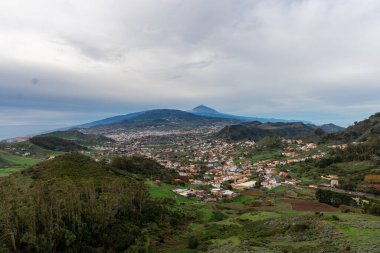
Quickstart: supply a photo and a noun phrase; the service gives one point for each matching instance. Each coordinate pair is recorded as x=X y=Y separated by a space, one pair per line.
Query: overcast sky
x=69 y=62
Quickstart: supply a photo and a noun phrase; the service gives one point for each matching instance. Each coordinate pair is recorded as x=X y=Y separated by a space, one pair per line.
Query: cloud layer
x=81 y=60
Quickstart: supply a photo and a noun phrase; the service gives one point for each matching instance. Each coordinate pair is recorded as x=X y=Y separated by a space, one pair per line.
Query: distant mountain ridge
x=200 y=113
x=156 y=120
x=203 y=110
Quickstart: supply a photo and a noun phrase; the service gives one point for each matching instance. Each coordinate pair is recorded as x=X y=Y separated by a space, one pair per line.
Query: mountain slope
x=331 y=128
x=79 y=137
x=75 y=166
x=109 y=121
x=162 y=120
x=56 y=143
x=169 y=114
x=360 y=131
x=81 y=167
x=209 y=112
x=256 y=130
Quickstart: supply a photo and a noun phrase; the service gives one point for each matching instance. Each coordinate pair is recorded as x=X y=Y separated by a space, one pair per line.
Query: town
x=211 y=169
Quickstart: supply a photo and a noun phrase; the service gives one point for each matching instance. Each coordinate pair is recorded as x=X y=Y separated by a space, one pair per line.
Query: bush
x=193 y=242
x=218 y=216
x=299 y=227
x=333 y=198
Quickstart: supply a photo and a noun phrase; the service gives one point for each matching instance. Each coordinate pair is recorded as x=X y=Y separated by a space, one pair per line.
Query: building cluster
x=214 y=169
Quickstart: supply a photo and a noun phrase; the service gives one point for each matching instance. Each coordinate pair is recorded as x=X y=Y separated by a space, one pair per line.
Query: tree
x=193 y=242
x=319 y=132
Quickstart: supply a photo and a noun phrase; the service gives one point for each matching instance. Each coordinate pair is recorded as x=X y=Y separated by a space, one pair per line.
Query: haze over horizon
x=70 y=62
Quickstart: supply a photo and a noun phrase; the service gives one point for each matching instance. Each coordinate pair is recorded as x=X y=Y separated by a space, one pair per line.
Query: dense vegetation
x=351 y=164
x=359 y=131
x=79 y=137
x=56 y=143
x=256 y=130
x=74 y=204
x=3 y=162
x=369 y=150
x=74 y=165
x=270 y=142
x=143 y=167
x=336 y=199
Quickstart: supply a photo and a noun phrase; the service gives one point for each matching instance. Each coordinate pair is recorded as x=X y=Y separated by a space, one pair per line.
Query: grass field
x=361 y=230
x=266 y=155
x=160 y=191
x=277 y=227
x=8 y=171
x=12 y=163
x=163 y=190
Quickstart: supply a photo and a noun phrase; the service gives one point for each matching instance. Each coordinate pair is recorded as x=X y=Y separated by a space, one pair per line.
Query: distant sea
x=12 y=131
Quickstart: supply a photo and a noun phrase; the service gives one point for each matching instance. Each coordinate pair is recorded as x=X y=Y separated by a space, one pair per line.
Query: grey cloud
x=296 y=57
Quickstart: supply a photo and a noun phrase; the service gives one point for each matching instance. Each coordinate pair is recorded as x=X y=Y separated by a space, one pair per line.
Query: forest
x=57 y=212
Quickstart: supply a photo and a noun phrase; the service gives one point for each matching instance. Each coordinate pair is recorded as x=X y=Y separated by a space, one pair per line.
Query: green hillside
x=256 y=130
x=79 y=137
x=12 y=163
x=74 y=204
x=359 y=131
x=56 y=143
x=3 y=162
x=143 y=167
x=75 y=166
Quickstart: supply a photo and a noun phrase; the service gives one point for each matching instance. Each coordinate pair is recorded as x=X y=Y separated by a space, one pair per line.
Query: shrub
x=218 y=216
x=193 y=242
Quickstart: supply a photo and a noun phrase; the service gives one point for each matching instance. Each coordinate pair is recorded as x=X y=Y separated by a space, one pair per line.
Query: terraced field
x=265 y=221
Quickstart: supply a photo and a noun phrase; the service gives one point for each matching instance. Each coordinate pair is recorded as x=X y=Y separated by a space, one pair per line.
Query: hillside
x=201 y=115
x=144 y=168
x=56 y=143
x=163 y=120
x=3 y=162
x=74 y=204
x=331 y=128
x=256 y=130
x=79 y=137
x=72 y=165
x=81 y=167
x=109 y=121
x=360 y=131
x=202 y=110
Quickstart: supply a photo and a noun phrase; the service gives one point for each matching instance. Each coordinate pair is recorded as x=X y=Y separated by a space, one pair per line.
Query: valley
x=273 y=187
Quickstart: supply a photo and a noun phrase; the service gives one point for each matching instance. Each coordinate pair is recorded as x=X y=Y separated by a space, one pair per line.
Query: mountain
x=203 y=110
x=360 y=131
x=157 y=120
x=256 y=130
x=331 y=128
x=169 y=119
x=111 y=120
